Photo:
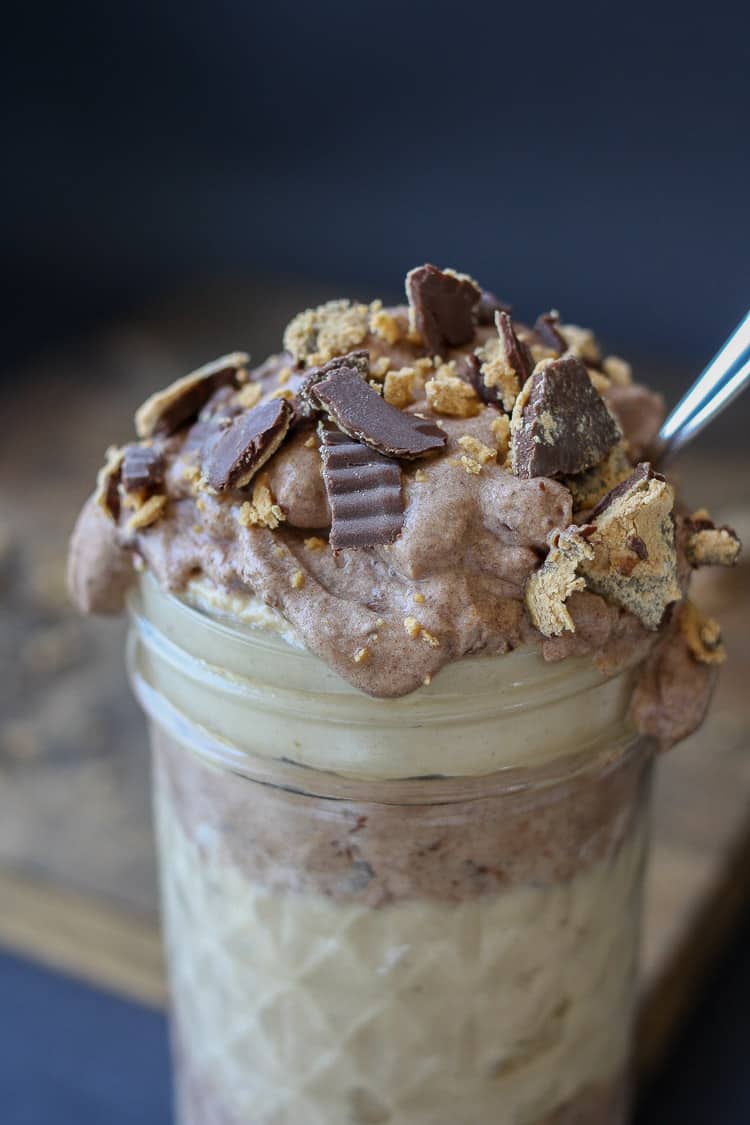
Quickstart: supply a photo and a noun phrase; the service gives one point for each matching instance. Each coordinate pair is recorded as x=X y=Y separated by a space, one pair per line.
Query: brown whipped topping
x=461 y=558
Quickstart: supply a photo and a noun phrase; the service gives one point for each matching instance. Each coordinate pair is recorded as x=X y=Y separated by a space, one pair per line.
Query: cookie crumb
x=335 y=328
x=702 y=635
x=385 y=325
x=501 y=431
x=420 y=476
x=315 y=543
x=362 y=655
x=398 y=387
x=147 y=513
x=261 y=511
x=618 y=370
x=249 y=395
x=419 y=598
x=297 y=580
x=449 y=394
x=477 y=449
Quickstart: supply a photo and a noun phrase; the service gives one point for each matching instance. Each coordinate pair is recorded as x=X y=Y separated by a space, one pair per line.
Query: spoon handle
x=726 y=375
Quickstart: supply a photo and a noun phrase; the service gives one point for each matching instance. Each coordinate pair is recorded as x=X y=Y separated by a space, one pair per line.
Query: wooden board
x=77 y=872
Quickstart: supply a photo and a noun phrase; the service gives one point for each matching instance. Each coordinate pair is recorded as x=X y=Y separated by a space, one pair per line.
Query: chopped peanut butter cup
x=443 y=305
x=181 y=402
x=560 y=424
x=233 y=458
x=364 y=491
x=361 y=412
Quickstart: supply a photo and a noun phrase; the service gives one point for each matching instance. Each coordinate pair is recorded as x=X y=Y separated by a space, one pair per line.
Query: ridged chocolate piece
x=560 y=423
x=547 y=332
x=444 y=307
x=233 y=459
x=488 y=305
x=142 y=469
x=167 y=410
x=364 y=492
x=363 y=414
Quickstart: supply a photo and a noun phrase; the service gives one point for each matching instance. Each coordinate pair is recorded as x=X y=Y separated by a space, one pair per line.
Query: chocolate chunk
x=547 y=332
x=560 y=423
x=142 y=469
x=443 y=305
x=361 y=413
x=232 y=459
x=364 y=491
x=179 y=403
x=358 y=361
x=107 y=493
x=488 y=305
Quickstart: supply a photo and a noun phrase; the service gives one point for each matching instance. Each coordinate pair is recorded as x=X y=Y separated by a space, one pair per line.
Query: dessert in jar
x=410 y=616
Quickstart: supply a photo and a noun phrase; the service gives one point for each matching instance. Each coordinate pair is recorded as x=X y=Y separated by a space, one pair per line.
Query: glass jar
x=417 y=911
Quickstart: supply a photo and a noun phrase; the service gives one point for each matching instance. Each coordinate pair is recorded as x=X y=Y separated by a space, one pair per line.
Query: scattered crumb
x=261 y=511
x=423 y=365
x=200 y=504
x=398 y=387
x=420 y=476
x=415 y=630
x=385 y=325
x=581 y=342
x=420 y=598
x=362 y=655
x=282 y=392
x=470 y=465
x=618 y=370
x=448 y=394
x=147 y=513
x=298 y=580
x=376 y=385
x=477 y=449
x=712 y=546
x=427 y=680
x=501 y=431
x=497 y=371
x=284 y=376
x=599 y=382
x=380 y=366
x=380 y=623
x=317 y=335
x=249 y=395
x=702 y=635
x=106 y=495
x=311 y=442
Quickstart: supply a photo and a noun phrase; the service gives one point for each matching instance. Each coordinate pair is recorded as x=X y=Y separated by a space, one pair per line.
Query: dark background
x=594 y=157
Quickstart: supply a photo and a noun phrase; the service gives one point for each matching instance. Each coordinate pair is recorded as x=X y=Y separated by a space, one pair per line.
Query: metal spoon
x=726 y=375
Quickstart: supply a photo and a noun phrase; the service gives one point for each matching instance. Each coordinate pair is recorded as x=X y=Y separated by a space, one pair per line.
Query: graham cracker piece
x=708 y=545
x=386 y=325
x=147 y=513
x=335 y=328
x=262 y=510
x=582 y=342
x=590 y=486
x=398 y=387
x=505 y=363
x=448 y=394
x=501 y=430
x=618 y=370
x=702 y=635
x=548 y=588
x=635 y=559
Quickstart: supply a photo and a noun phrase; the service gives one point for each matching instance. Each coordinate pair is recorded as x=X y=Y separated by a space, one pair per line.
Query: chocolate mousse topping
x=234 y=456
x=560 y=423
x=444 y=306
x=418 y=510
x=364 y=491
x=362 y=413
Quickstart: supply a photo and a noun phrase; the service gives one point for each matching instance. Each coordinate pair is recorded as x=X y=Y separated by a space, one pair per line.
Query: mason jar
x=414 y=911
